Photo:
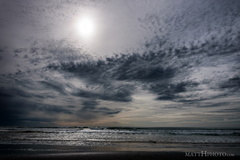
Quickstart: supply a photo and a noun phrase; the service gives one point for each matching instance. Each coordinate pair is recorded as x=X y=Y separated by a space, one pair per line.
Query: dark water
x=84 y=139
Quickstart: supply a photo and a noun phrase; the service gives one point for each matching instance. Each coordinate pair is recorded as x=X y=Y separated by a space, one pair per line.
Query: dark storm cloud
x=168 y=91
x=91 y=107
x=126 y=68
x=25 y=87
x=87 y=69
x=12 y=110
x=122 y=94
x=97 y=73
x=15 y=111
x=14 y=92
x=232 y=83
x=146 y=67
x=107 y=111
x=155 y=71
x=54 y=85
x=5 y=93
x=9 y=116
x=51 y=109
x=140 y=67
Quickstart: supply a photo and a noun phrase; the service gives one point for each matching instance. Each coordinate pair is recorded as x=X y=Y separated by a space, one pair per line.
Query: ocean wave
x=206 y=132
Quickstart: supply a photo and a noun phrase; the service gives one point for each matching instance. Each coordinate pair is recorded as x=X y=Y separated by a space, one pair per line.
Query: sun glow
x=86 y=27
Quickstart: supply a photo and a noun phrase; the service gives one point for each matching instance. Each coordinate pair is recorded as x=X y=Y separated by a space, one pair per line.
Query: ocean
x=87 y=139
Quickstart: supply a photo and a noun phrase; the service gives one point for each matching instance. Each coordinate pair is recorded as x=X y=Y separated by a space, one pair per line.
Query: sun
x=86 y=27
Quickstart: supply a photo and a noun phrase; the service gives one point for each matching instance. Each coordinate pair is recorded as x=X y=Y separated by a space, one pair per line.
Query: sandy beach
x=110 y=156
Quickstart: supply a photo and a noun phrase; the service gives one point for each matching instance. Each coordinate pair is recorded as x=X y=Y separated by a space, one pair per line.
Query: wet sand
x=110 y=156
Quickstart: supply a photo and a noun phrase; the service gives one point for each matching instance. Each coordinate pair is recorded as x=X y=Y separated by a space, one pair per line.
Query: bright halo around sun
x=86 y=27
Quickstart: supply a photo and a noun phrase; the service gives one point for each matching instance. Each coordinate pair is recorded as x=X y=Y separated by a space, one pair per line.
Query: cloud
x=8 y=115
x=50 y=109
x=232 y=83
x=12 y=110
x=91 y=106
x=11 y=92
x=17 y=110
x=122 y=94
x=107 y=111
x=187 y=60
x=167 y=75
x=169 y=91
x=54 y=85
x=164 y=73
x=228 y=110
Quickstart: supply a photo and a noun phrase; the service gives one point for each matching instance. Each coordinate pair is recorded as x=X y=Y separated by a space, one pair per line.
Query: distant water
x=82 y=139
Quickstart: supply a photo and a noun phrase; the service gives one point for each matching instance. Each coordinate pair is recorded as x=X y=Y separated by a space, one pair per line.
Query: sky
x=138 y=63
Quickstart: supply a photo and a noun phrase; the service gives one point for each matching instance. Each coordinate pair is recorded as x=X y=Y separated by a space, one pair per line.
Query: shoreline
x=121 y=155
